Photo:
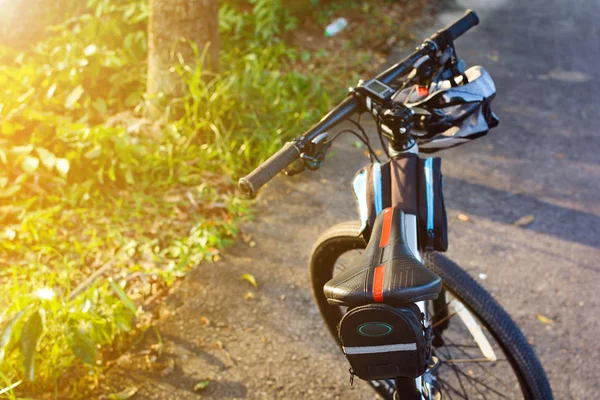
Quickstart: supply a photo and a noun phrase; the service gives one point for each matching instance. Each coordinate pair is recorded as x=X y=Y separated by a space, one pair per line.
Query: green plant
x=102 y=208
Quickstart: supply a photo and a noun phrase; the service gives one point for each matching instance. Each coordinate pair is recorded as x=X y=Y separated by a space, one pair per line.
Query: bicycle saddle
x=386 y=272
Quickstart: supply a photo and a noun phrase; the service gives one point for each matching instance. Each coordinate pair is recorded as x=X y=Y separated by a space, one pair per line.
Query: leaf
x=3 y=182
x=63 y=166
x=21 y=150
x=201 y=385
x=48 y=159
x=26 y=95
x=524 y=221
x=51 y=91
x=9 y=191
x=124 y=298
x=7 y=333
x=129 y=177
x=100 y=105
x=84 y=347
x=544 y=320
x=111 y=173
x=30 y=164
x=10 y=387
x=124 y=395
x=73 y=97
x=90 y=50
x=45 y=293
x=463 y=217
x=32 y=330
x=93 y=153
x=123 y=321
x=2 y=156
x=9 y=234
x=250 y=278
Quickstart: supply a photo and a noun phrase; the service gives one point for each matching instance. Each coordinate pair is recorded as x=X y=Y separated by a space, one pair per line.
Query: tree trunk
x=172 y=23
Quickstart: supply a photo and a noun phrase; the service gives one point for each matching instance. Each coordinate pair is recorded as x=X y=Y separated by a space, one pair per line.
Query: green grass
x=102 y=210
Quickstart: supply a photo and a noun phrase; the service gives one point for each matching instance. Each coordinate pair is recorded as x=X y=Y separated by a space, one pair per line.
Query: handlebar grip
x=454 y=31
x=250 y=184
x=469 y=20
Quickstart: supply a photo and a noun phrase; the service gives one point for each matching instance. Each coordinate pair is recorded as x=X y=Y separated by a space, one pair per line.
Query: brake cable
x=372 y=153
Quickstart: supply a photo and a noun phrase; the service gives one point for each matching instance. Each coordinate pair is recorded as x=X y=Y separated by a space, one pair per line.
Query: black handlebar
x=291 y=151
x=446 y=36
x=267 y=170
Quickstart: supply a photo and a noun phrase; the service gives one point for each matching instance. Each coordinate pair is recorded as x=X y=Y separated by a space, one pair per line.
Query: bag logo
x=374 y=329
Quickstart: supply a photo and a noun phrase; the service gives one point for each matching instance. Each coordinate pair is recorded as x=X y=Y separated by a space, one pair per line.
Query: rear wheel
x=482 y=352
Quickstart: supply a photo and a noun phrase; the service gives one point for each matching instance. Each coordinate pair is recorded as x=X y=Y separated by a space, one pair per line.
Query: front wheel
x=483 y=354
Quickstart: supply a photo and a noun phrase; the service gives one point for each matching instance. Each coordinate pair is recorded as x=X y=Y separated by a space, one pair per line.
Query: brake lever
x=313 y=156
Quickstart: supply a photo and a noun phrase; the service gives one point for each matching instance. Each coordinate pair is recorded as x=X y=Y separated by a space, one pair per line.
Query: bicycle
x=402 y=311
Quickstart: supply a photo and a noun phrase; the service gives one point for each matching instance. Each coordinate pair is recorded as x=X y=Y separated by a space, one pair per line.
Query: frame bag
x=433 y=223
x=384 y=342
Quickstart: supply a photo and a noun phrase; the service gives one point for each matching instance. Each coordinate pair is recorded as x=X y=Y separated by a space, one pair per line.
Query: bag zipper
x=429 y=195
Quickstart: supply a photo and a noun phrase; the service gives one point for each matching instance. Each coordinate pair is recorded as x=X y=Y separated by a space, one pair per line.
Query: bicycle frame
x=359 y=187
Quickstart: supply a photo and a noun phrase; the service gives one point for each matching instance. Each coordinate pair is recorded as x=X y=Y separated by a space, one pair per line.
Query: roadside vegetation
x=101 y=210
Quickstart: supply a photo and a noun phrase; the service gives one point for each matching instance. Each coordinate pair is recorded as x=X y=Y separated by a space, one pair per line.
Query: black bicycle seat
x=386 y=272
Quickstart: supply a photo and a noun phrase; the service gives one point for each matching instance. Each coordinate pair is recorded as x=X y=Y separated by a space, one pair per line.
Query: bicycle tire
x=346 y=236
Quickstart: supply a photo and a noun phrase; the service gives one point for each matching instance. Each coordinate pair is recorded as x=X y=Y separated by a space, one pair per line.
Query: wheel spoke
x=449 y=389
x=473 y=379
x=458 y=377
x=479 y=365
x=471 y=360
x=446 y=318
x=442 y=309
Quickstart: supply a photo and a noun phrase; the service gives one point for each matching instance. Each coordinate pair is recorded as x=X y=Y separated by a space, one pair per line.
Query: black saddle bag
x=384 y=342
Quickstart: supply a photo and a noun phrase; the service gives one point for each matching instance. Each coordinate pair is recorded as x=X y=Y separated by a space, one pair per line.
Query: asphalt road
x=543 y=161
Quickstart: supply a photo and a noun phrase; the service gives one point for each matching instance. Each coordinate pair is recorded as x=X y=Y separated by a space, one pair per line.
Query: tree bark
x=172 y=23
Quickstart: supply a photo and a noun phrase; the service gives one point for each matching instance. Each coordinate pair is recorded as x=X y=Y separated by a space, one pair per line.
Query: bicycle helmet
x=453 y=111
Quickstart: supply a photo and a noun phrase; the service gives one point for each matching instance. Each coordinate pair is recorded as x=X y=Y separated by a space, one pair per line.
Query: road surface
x=543 y=162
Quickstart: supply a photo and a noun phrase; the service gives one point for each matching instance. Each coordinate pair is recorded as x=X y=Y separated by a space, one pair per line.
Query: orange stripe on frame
x=378 y=283
x=387 y=226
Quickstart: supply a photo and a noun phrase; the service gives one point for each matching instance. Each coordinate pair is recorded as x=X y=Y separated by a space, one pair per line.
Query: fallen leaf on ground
x=124 y=395
x=524 y=221
x=172 y=199
x=252 y=243
x=493 y=57
x=169 y=369
x=249 y=296
x=463 y=217
x=205 y=321
x=201 y=385
x=544 y=320
x=251 y=279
